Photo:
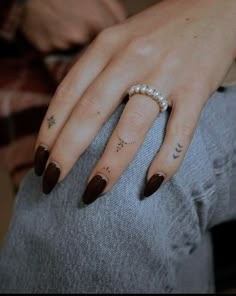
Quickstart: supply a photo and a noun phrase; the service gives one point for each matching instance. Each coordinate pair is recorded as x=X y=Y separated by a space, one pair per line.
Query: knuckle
x=88 y=103
x=109 y=36
x=140 y=46
x=187 y=129
x=89 y=107
x=60 y=94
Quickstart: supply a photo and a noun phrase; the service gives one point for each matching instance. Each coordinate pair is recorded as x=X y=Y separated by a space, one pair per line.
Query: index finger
x=67 y=95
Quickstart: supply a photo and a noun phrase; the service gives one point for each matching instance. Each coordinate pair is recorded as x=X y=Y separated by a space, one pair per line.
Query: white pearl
x=161 y=98
x=137 y=88
x=156 y=95
x=143 y=89
x=150 y=91
x=164 y=108
x=163 y=103
x=132 y=90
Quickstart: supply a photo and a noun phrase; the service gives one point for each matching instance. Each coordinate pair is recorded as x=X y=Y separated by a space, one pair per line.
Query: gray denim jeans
x=121 y=243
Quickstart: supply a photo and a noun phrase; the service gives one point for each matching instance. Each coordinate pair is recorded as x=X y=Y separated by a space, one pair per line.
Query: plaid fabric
x=27 y=82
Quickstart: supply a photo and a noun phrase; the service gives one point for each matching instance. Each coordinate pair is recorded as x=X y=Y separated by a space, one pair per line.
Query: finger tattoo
x=178 y=151
x=107 y=169
x=122 y=143
x=51 y=121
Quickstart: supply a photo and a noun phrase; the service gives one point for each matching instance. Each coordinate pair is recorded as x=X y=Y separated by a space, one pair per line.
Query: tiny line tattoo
x=178 y=150
x=51 y=121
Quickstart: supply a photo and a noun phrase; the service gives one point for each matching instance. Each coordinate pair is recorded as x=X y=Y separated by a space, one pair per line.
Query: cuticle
x=104 y=177
x=161 y=174
x=56 y=164
x=43 y=146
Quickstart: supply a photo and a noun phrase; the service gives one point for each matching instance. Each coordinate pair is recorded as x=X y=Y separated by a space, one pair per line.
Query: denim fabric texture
x=122 y=243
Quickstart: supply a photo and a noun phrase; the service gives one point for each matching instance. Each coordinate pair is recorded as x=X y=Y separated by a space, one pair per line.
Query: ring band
x=151 y=92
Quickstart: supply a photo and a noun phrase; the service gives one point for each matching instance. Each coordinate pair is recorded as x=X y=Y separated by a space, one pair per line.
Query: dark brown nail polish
x=94 y=189
x=153 y=184
x=40 y=160
x=51 y=177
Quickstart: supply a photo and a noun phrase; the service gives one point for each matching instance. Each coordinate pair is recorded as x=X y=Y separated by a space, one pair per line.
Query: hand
x=184 y=48
x=59 y=24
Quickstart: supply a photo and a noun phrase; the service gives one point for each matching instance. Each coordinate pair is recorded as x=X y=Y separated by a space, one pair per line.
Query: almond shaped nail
x=94 y=189
x=51 y=177
x=40 y=160
x=153 y=184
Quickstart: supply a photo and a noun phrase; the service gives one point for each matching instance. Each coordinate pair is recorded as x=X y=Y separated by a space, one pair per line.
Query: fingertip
x=153 y=184
x=94 y=189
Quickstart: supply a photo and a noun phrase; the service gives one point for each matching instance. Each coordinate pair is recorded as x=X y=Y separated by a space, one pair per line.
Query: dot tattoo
x=51 y=121
x=178 y=150
x=107 y=169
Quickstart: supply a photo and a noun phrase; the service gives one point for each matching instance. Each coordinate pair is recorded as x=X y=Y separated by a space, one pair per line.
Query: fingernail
x=153 y=184
x=40 y=160
x=51 y=177
x=94 y=189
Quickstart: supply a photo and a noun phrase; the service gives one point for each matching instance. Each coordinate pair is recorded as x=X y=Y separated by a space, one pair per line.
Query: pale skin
x=60 y=24
x=184 y=48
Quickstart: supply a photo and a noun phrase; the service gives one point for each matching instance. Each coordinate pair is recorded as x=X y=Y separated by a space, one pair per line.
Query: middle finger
x=134 y=124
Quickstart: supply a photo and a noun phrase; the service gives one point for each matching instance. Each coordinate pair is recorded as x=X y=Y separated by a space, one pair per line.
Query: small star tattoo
x=51 y=121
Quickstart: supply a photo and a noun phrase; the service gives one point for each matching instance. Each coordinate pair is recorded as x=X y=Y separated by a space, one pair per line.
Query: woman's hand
x=59 y=24
x=184 y=48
